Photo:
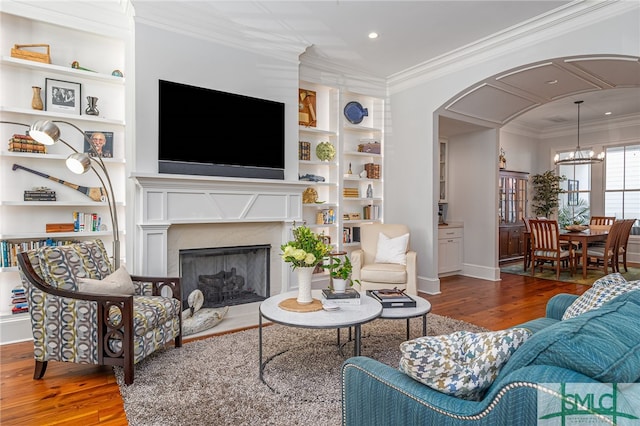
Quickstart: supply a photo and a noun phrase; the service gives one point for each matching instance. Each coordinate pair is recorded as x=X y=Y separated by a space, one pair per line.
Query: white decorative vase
x=339 y=285
x=304 y=285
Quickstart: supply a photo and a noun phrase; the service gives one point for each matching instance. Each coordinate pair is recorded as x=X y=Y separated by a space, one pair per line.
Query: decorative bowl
x=325 y=151
x=576 y=228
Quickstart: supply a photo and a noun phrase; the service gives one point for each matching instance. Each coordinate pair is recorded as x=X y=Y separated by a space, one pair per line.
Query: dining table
x=584 y=238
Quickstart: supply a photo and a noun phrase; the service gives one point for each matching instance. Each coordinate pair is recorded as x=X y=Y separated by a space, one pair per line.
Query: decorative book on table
x=392 y=298
x=349 y=297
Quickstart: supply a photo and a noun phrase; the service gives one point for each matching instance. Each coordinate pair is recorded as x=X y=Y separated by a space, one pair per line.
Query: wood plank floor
x=73 y=394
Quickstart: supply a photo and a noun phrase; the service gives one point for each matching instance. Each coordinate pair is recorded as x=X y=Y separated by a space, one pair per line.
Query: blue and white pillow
x=462 y=364
x=602 y=291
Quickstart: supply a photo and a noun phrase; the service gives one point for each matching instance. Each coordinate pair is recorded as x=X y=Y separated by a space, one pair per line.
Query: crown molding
x=110 y=18
x=551 y=24
x=568 y=129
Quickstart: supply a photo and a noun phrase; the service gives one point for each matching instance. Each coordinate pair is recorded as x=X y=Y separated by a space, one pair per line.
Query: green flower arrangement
x=307 y=248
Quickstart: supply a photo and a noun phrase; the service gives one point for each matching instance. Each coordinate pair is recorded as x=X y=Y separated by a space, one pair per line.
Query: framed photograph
x=62 y=96
x=307 y=108
x=102 y=141
x=572 y=192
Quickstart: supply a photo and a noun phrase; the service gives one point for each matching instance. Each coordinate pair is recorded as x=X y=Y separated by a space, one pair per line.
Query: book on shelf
x=392 y=298
x=42 y=194
x=25 y=143
x=349 y=297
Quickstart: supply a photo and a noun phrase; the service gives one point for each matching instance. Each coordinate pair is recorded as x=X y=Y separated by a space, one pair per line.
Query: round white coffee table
x=347 y=316
x=422 y=308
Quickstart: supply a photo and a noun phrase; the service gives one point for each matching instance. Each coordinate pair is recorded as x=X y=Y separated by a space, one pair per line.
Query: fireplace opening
x=226 y=276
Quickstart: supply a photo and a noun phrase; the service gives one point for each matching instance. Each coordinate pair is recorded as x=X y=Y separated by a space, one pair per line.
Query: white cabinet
x=450 y=248
x=24 y=222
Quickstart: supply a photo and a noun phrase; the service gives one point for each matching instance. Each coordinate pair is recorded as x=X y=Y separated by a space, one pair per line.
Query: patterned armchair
x=97 y=324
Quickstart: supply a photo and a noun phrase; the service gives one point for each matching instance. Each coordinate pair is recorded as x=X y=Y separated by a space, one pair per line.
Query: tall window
x=622 y=183
x=575 y=202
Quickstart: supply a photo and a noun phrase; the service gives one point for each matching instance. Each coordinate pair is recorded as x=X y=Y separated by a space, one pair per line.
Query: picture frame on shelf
x=103 y=142
x=307 y=108
x=63 y=96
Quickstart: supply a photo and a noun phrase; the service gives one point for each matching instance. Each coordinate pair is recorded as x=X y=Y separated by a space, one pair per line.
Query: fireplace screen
x=226 y=275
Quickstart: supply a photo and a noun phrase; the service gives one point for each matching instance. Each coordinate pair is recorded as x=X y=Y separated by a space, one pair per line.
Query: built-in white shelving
x=25 y=221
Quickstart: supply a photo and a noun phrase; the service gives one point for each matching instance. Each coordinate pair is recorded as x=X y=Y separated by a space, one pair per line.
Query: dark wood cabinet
x=511 y=242
x=512 y=209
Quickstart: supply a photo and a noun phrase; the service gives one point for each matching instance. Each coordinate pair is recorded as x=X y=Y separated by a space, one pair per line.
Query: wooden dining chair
x=527 y=243
x=604 y=257
x=546 y=246
x=602 y=221
x=623 y=240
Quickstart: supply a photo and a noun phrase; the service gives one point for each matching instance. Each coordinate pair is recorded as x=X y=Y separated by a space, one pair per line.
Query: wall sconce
x=48 y=133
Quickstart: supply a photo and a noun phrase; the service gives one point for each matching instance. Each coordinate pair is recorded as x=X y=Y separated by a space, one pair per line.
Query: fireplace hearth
x=227 y=276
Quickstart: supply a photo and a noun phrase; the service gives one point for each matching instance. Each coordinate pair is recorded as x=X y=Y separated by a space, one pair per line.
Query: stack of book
x=40 y=194
x=371 y=212
x=349 y=297
x=350 y=193
x=86 y=222
x=19 y=301
x=304 y=150
x=25 y=143
x=392 y=298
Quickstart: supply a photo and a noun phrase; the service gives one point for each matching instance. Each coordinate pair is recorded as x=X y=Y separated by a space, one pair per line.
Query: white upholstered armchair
x=385 y=259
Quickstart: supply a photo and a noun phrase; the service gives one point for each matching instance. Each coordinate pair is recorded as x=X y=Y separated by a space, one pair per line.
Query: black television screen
x=213 y=133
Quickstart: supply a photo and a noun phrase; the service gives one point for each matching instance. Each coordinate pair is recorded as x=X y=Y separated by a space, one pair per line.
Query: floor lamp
x=48 y=133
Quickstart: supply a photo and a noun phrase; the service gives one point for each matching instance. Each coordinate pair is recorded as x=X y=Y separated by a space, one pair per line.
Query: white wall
x=170 y=56
x=612 y=35
x=473 y=197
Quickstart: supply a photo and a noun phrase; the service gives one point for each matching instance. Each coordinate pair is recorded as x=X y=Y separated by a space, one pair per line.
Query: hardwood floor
x=74 y=394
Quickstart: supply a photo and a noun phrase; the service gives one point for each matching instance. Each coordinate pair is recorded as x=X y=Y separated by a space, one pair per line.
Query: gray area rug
x=216 y=381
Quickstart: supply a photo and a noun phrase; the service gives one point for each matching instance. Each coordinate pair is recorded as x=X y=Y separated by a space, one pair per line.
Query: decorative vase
x=91 y=107
x=304 y=284
x=339 y=285
x=36 y=100
x=369 y=191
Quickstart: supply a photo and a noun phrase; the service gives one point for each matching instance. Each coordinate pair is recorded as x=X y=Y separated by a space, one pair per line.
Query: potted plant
x=546 y=187
x=340 y=272
x=574 y=215
x=304 y=252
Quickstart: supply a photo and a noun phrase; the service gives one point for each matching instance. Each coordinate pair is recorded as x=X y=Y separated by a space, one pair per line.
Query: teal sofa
x=601 y=345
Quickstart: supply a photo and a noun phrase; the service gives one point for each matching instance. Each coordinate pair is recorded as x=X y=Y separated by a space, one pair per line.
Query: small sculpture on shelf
x=92 y=108
x=502 y=160
x=36 y=100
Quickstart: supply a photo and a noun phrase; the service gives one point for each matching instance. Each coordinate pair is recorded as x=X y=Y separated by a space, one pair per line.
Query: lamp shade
x=79 y=163
x=45 y=132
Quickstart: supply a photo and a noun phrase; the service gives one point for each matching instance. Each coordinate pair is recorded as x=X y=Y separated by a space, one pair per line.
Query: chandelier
x=578 y=156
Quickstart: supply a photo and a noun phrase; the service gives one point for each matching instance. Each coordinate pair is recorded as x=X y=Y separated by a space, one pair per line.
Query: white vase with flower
x=304 y=252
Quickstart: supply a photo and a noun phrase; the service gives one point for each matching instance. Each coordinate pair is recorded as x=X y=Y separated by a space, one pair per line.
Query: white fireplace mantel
x=165 y=200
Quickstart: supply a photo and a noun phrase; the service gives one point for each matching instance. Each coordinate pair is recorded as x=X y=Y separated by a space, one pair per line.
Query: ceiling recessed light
x=608 y=113
x=552 y=82
x=373 y=35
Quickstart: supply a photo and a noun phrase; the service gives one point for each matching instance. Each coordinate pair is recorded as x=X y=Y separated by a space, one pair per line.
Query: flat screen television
x=212 y=133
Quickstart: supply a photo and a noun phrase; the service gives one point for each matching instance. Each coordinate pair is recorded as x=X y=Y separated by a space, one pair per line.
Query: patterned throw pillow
x=462 y=364
x=602 y=291
x=62 y=265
